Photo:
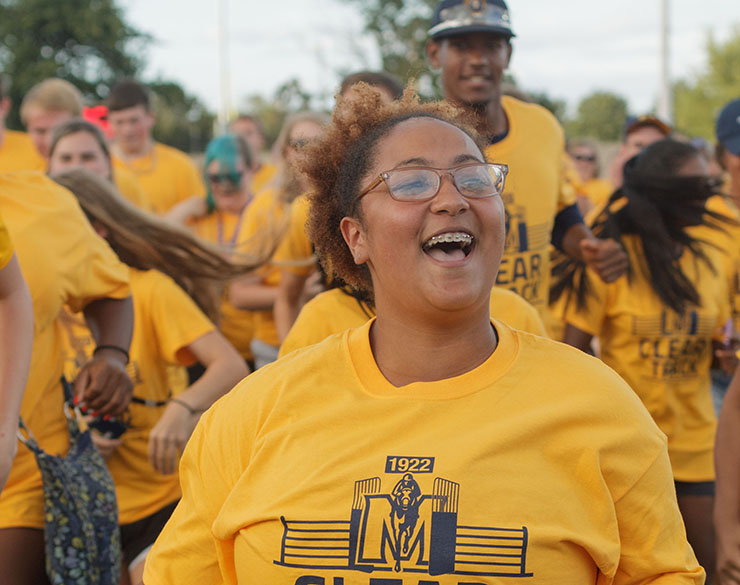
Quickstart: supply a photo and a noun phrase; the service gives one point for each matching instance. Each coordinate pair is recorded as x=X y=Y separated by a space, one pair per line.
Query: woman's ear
x=354 y=235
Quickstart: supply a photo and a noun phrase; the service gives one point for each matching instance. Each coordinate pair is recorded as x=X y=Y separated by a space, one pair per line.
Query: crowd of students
x=397 y=277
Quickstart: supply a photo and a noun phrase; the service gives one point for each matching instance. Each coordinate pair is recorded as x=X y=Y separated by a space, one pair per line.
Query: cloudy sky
x=567 y=48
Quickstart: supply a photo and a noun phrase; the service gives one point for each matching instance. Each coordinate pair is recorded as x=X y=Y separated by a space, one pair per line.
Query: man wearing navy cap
x=728 y=146
x=470 y=41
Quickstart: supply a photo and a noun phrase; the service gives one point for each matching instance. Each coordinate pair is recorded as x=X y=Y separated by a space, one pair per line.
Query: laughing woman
x=432 y=441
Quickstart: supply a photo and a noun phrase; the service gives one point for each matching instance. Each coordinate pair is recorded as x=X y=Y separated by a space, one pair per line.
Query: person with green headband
x=217 y=218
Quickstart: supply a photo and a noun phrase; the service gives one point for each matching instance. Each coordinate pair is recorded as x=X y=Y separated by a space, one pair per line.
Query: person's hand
x=103 y=385
x=168 y=437
x=105 y=445
x=8 y=450
x=728 y=556
x=727 y=359
x=606 y=258
x=190 y=208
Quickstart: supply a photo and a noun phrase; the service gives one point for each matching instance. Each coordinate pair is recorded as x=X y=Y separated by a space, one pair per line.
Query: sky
x=567 y=49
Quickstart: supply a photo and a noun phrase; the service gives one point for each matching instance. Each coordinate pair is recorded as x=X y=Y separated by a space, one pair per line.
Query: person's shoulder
x=37 y=187
x=575 y=373
x=530 y=113
x=283 y=381
x=150 y=280
x=172 y=155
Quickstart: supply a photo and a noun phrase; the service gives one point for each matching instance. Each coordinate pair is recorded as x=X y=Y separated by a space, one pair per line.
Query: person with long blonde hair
x=266 y=220
x=175 y=281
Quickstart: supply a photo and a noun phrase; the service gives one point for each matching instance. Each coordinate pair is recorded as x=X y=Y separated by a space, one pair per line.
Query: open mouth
x=449 y=246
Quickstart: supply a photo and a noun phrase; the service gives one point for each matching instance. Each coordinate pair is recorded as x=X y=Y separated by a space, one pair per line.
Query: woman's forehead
x=424 y=136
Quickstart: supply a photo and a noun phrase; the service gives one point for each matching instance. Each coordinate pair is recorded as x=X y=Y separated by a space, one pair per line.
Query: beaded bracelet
x=185 y=405
x=114 y=347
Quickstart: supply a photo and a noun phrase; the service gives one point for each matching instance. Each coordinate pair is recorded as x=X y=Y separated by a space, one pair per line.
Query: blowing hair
x=342 y=158
x=656 y=205
x=145 y=242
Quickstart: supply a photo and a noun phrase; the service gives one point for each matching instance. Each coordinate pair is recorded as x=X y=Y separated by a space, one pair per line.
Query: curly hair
x=338 y=162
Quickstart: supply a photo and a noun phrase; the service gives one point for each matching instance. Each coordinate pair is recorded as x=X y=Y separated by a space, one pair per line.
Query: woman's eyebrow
x=461 y=158
x=413 y=161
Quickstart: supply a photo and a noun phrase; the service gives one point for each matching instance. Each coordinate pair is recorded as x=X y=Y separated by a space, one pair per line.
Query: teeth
x=449 y=237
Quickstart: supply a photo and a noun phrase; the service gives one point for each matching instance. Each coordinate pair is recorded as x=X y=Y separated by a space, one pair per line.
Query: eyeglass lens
x=482 y=180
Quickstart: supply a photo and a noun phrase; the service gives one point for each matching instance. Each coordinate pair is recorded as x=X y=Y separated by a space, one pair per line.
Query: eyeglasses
x=235 y=178
x=585 y=157
x=473 y=180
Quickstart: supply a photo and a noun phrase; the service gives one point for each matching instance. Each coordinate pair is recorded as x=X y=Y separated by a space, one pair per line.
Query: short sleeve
x=6 y=246
x=177 y=320
x=590 y=317
x=295 y=252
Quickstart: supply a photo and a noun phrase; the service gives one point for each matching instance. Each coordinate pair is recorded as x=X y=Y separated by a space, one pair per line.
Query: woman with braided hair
x=655 y=325
x=509 y=465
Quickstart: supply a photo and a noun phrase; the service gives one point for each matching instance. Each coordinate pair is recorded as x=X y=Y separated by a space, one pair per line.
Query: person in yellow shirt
x=169 y=328
x=432 y=444
x=656 y=326
x=592 y=191
x=17 y=152
x=218 y=217
x=47 y=105
x=63 y=261
x=16 y=325
x=264 y=228
x=166 y=175
x=471 y=43
x=78 y=143
x=250 y=129
x=337 y=309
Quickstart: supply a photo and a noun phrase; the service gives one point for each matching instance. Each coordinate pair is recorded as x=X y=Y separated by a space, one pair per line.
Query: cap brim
x=473 y=28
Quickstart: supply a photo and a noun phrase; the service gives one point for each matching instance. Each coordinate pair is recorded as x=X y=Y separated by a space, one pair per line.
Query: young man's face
x=132 y=129
x=40 y=125
x=472 y=66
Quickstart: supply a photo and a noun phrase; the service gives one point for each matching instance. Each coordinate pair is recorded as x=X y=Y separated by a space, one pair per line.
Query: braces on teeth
x=449 y=238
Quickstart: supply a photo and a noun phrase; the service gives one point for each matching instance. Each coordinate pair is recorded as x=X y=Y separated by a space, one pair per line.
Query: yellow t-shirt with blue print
x=317 y=470
x=663 y=356
x=536 y=190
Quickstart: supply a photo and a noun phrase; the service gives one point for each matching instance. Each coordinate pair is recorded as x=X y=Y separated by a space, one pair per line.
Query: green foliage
x=85 y=42
x=400 y=29
x=181 y=120
x=600 y=115
x=698 y=101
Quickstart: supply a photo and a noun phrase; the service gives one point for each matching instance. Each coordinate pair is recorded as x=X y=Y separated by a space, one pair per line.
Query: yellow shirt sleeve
x=6 y=246
x=295 y=252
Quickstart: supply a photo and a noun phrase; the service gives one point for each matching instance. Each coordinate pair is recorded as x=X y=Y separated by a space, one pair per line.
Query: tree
x=400 y=29
x=698 y=101
x=86 y=42
x=600 y=115
x=181 y=121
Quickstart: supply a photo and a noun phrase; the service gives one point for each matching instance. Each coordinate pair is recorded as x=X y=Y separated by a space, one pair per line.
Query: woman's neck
x=418 y=350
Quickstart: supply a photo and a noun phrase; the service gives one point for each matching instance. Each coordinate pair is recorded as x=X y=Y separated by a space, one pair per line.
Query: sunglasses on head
x=235 y=178
x=585 y=157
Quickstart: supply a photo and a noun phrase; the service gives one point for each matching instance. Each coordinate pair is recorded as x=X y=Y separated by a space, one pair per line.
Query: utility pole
x=224 y=67
x=665 y=94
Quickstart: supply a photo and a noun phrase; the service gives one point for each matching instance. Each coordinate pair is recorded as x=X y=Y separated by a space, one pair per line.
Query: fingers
x=104 y=386
x=605 y=257
x=164 y=452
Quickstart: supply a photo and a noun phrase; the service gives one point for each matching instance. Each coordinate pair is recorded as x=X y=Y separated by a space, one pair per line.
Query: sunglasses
x=472 y=180
x=585 y=157
x=235 y=178
x=299 y=143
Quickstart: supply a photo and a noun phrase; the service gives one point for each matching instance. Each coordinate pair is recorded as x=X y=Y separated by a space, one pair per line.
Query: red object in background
x=98 y=115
